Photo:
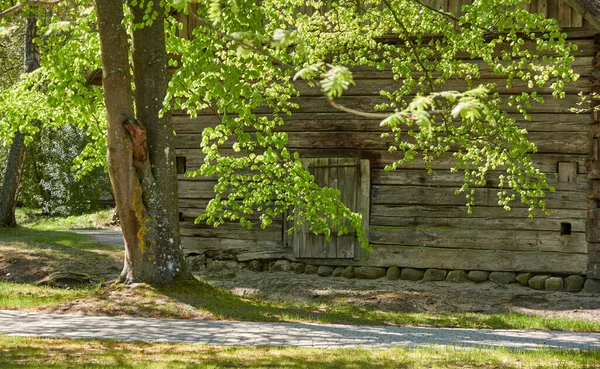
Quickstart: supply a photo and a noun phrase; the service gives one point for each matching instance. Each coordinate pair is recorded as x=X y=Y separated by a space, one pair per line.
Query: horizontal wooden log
x=340 y=121
x=582 y=66
x=547 y=163
x=445 y=178
x=471 y=259
x=479 y=212
x=414 y=195
x=228 y=247
x=234 y=231
x=546 y=142
x=319 y=104
x=486 y=239
x=366 y=87
x=539 y=223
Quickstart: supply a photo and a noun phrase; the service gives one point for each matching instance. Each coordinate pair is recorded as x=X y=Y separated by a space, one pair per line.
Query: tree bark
x=140 y=148
x=16 y=156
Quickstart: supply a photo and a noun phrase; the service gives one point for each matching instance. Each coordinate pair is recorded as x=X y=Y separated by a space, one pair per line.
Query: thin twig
x=20 y=6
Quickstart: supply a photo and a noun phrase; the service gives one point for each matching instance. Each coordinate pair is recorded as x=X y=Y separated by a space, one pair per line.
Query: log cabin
x=413 y=218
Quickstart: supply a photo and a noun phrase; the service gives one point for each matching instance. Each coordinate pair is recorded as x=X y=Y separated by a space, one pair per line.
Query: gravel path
x=21 y=323
x=103 y=236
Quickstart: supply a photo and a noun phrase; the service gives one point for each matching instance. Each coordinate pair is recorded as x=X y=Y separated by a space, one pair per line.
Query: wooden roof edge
x=589 y=9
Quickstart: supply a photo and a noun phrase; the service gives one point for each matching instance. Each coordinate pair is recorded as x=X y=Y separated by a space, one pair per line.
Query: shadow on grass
x=62 y=241
x=225 y=305
x=42 y=353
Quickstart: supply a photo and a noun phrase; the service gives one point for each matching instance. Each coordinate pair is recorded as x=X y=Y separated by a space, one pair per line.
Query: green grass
x=33 y=218
x=224 y=305
x=20 y=296
x=22 y=352
x=33 y=238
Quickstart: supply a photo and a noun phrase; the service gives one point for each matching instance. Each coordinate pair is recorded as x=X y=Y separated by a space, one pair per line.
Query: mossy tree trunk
x=16 y=155
x=140 y=146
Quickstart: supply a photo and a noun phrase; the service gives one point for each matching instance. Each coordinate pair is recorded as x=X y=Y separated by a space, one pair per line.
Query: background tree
x=16 y=155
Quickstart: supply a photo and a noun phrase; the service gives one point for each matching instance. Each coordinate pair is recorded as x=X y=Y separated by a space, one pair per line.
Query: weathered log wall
x=415 y=218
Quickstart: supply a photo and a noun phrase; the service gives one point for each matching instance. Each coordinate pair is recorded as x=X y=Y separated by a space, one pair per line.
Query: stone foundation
x=549 y=282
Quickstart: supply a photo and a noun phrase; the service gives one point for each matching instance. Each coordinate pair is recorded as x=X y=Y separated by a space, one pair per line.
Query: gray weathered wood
x=567 y=172
x=471 y=259
x=546 y=162
x=414 y=195
x=487 y=239
x=539 y=223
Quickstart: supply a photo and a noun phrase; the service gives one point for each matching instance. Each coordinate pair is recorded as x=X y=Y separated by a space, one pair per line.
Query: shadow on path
x=281 y=334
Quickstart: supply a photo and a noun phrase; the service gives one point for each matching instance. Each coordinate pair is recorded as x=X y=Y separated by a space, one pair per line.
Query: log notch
x=593 y=223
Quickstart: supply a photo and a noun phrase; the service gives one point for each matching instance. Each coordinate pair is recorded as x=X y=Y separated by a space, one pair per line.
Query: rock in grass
x=311 y=269
x=435 y=275
x=324 y=270
x=538 y=282
x=338 y=272
x=457 y=276
x=298 y=268
x=369 y=272
x=592 y=286
x=64 y=279
x=502 y=277
x=410 y=274
x=523 y=278
x=393 y=273
x=478 y=275
x=554 y=284
x=574 y=283
x=349 y=272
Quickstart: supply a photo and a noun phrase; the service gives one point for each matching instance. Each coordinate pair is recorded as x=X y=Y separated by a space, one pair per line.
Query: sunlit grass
x=20 y=296
x=22 y=352
x=33 y=218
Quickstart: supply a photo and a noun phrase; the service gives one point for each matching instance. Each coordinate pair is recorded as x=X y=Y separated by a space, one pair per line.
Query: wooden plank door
x=348 y=176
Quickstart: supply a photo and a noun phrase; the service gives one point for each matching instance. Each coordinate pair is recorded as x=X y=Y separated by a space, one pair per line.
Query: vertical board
x=567 y=172
x=345 y=175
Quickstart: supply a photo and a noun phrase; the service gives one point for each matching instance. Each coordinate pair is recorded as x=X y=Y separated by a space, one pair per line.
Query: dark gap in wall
x=565 y=229
x=180 y=162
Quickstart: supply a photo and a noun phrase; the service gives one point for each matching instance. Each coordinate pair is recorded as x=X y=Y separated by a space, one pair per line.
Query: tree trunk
x=140 y=151
x=16 y=156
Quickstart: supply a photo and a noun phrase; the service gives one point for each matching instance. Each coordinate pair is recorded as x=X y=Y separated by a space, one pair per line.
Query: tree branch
x=20 y=6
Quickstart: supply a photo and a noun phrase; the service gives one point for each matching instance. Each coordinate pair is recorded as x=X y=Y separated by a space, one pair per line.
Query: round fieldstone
x=369 y=272
x=478 y=275
x=311 y=269
x=457 y=276
x=325 y=270
x=554 y=284
x=298 y=268
x=349 y=272
x=592 y=286
x=255 y=266
x=280 y=266
x=435 y=275
x=502 y=277
x=410 y=274
x=574 y=283
x=538 y=282
x=393 y=273
x=523 y=278
x=338 y=272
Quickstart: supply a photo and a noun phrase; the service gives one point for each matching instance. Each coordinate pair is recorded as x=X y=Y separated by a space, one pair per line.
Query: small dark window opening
x=180 y=161
x=181 y=217
x=565 y=229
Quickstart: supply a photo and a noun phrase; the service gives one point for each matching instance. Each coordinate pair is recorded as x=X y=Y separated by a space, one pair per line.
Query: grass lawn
x=32 y=218
x=21 y=352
